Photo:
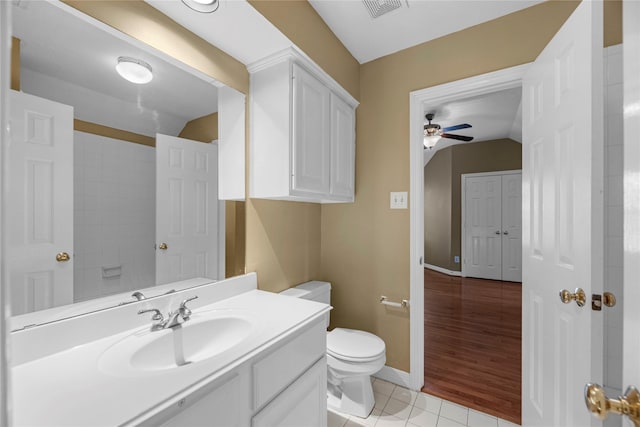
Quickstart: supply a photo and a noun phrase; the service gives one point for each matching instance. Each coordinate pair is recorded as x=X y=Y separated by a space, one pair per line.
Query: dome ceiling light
x=203 y=6
x=134 y=70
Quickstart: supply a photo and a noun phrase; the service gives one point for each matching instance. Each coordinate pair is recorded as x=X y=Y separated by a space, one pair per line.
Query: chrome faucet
x=158 y=318
x=182 y=312
x=138 y=295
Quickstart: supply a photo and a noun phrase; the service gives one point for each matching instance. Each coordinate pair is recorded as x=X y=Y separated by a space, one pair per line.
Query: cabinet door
x=223 y=404
x=302 y=404
x=343 y=148
x=311 y=133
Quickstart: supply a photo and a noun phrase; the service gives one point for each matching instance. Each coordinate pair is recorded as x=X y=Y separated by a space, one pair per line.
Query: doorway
x=612 y=214
x=473 y=327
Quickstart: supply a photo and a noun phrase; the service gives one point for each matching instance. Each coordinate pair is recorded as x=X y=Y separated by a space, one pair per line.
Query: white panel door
x=631 y=60
x=562 y=220
x=512 y=227
x=343 y=148
x=187 y=221
x=483 y=227
x=39 y=207
x=311 y=133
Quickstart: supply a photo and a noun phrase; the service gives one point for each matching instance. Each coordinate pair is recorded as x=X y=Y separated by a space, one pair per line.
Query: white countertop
x=69 y=388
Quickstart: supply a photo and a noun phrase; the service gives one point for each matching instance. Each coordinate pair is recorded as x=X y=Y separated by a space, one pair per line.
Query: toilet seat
x=354 y=346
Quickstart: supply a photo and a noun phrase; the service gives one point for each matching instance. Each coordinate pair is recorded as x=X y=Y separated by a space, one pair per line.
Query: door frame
x=463 y=196
x=5 y=312
x=507 y=78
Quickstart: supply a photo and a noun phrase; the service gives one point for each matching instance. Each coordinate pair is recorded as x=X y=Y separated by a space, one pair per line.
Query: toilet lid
x=351 y=344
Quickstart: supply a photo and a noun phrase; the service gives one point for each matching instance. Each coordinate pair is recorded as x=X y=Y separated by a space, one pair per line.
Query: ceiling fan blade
x=456 y=127
x=458 y=137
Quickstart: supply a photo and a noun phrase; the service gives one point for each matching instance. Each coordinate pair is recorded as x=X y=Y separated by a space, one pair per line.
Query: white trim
x=473 y=86
x=395 y=376
x=478 y=174
x=443 y=270
x=463 y=207
x=297 y=56
x=5 y=340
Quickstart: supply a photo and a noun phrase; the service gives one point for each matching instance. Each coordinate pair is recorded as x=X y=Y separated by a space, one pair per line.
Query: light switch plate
x=398 y=200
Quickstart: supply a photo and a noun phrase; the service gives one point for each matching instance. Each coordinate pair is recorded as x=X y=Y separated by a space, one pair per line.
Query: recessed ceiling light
x=134 y=70
x=204 y=6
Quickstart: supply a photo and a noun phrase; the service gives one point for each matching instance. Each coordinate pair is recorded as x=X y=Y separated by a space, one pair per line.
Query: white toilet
x=352 y=357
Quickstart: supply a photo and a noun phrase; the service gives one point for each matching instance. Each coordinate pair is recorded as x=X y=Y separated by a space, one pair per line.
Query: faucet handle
x=138 y=295
x=186 y=312
x=156 y=316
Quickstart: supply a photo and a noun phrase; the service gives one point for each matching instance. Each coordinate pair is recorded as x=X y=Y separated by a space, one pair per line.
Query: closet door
x=512 y=227
x=483 y=227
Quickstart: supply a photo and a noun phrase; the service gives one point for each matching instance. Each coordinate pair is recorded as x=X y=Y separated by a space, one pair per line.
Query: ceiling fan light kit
x=433 y=132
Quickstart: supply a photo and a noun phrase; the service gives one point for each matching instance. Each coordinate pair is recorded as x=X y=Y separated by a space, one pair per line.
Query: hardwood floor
x=472 y=345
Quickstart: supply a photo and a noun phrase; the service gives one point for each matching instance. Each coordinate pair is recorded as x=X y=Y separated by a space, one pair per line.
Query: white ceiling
x=492 y=116
x=68 y=60
x=415 y=22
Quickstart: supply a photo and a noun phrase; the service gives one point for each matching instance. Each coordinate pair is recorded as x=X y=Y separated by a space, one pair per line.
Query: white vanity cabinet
x=302 y=132
x=285 y=384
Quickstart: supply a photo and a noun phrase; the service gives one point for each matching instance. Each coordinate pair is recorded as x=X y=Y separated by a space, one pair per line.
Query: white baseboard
x=443 y=270
x=395 y=376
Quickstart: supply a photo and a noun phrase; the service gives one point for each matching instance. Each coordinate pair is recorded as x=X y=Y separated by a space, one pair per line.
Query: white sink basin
x=200 y=338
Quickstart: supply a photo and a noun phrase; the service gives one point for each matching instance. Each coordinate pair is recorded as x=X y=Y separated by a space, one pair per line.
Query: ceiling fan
x=433 y=132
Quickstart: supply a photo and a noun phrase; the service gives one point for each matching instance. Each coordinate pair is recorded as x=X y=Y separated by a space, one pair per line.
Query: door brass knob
x=62 y=257
x=163 y=246
x=601 y=406
x=609 y=299
x=578 y=296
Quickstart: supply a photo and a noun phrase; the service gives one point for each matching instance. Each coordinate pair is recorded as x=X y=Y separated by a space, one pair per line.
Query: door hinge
x=420 y=262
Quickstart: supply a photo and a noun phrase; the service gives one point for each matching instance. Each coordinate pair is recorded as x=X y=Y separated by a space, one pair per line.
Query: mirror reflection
x=112 y=184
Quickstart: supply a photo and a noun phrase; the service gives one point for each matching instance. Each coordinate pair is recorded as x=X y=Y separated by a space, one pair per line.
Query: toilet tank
x=314 y=291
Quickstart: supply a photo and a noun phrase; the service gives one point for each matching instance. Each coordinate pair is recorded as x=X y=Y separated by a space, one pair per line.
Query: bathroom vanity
x=244 y=357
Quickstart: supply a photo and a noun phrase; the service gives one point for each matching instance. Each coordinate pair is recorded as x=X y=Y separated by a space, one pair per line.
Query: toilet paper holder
x=385 y=301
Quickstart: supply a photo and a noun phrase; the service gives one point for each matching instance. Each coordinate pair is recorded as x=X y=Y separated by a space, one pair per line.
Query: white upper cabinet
x=302 y=132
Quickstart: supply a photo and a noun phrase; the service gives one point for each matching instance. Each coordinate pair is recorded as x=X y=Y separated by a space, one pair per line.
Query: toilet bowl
x=352 y=357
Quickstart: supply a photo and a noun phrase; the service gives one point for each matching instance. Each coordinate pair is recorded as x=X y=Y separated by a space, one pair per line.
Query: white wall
x=613 y=214
x=114 y=215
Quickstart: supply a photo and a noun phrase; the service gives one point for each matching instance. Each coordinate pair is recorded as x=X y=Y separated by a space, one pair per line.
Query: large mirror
x=114 y=198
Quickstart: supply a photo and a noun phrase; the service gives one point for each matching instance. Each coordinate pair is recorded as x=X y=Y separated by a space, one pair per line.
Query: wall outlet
x=456 y=259
x=398 y=200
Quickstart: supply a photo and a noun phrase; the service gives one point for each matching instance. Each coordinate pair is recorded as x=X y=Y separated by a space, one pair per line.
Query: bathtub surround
x=114 y=216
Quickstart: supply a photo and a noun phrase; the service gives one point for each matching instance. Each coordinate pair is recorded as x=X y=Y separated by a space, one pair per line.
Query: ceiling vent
x=378 y=8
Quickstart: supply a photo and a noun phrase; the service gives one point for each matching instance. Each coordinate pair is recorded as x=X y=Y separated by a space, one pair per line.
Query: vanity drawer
x=281 y=367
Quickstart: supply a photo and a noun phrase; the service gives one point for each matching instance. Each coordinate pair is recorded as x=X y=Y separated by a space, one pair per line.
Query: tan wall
x=365 y=245
x=612 y=22
x=283 y=242
x=203 y=129
x=15 y=63
x=437 y=209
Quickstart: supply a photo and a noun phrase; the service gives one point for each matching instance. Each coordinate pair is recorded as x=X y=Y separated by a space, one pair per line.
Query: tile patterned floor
x=397 y=406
